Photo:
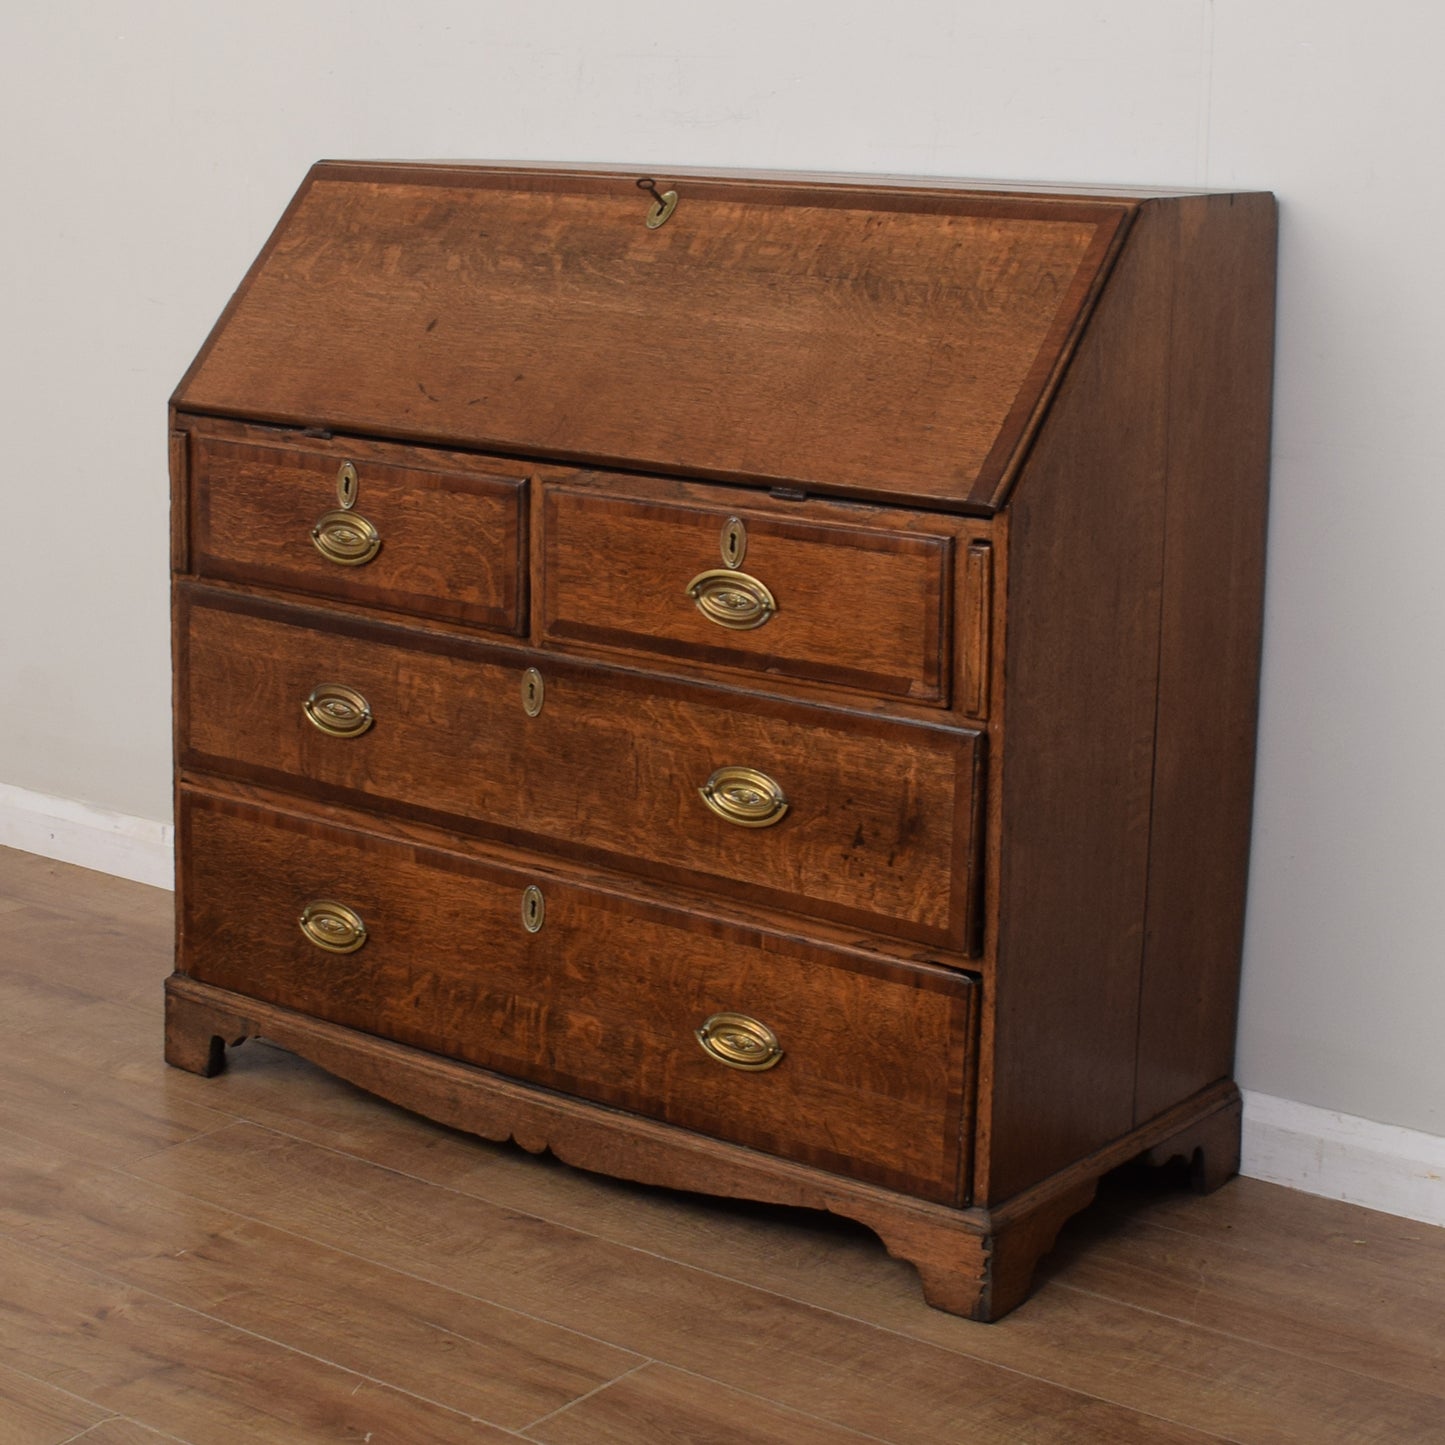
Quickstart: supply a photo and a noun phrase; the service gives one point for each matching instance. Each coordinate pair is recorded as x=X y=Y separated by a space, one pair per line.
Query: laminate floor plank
x=108 y=958
x=89 y=1114
x=82 y=892
x=187 y=1375
x=657 y=1405
x=1267 y=1219
x=117 y=1431
x=809 y=1360
x=450 y=1348
x=34 y=1413
x=171 y=1271
x=30 y=1004
x=1075 y=1335
x=1321 y=1300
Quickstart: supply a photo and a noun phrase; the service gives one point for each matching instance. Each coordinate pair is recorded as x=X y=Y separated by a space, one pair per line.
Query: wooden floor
x=272 y=1256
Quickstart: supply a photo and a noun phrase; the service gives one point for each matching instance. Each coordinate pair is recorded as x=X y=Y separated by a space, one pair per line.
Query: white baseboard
x=71 y=832
x=1382 y=1166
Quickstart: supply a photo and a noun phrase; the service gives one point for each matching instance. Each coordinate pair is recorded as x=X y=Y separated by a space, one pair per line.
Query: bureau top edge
x=1128 y=194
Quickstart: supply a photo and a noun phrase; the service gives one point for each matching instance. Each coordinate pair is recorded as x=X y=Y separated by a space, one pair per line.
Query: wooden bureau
x=748 y=683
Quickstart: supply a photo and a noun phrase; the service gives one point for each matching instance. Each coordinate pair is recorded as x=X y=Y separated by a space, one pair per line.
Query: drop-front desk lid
x=885 y=341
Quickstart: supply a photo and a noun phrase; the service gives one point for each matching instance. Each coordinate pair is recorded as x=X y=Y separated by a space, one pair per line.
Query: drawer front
x=854 y=818
x=860 y=606
x=594 y=993
x=441 y=542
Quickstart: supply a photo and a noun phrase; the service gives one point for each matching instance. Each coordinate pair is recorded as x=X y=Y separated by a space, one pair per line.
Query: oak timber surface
x=452 y=541
x=603 y=1002
x=882 y=344
x=879 y=823
x=616 y=570
x=1075 y=795
x=1214 y=542
x=274 y=1256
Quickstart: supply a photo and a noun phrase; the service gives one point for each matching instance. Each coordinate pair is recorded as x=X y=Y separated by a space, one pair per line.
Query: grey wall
x=149 y=147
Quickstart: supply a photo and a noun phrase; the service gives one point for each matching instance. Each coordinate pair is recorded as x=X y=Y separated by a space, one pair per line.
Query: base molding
x=1380 y=1166
x=89 y=837
x=971 y=1261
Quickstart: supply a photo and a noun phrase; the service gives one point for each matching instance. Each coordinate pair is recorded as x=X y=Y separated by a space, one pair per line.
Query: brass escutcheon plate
x=346 y=486
x=534 y=909
x=332 y=926
x=740 y=1042
x=733 y=544
x=534 y=692
x=661 y=209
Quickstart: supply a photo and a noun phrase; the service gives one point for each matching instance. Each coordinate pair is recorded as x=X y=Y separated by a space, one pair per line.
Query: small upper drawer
x=858 y=597
x=389 y=527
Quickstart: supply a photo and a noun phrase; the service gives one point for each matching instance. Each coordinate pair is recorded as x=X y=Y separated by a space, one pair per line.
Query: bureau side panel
x=1082 y=631
x=1222 y=366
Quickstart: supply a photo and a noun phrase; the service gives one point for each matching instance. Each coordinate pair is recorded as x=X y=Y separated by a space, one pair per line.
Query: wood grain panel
x=1292 y=1300
x=41 y=1099
x=1212 y=610
x=194 y=1377
x=1262 y=1374
x=453 y=542
x=879 y=829
x=458 y=1351
x=602 y=1002
x=119 y=1431
x=1253 y=1314
x=742 y=1336
x=32 y=1413
x=886 y=343
x=862 y=606
x=660 y=1406
x=1085 y=556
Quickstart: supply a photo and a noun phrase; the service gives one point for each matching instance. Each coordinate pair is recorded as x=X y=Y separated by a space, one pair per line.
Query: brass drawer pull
x=744 y=796
x=740 y=1042
x=332 y=926
x=732 y=599
x=346 y=538
x=340 y=712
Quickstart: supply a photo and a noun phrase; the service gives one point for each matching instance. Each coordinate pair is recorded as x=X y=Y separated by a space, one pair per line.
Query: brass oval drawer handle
x=744 y=796
x=339 y=711
x=346 y=538
x=732 y=599
x=740 y=1042
x=332 y=926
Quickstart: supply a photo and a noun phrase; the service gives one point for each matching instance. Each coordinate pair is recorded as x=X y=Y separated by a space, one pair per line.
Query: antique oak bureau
x=748 y=683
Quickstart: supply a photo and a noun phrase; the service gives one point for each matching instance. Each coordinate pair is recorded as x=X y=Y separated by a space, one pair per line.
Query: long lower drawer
x=828 y=1056
x=857 y=819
